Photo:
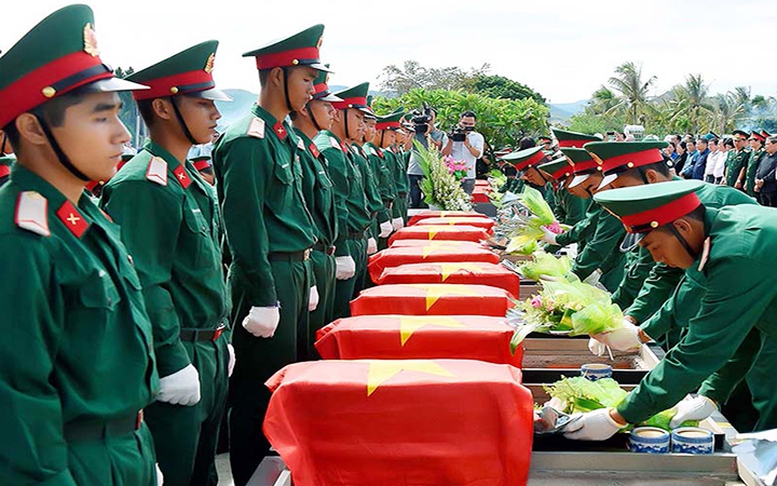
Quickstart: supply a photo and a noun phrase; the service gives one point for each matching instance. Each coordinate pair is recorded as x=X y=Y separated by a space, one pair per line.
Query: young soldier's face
x=201 y=116
x=300 y=85
x=389 y=138
x=356 y=125
x=665 y=248
x=533 y=177
x=592 y=183
x=324 y=113
x=369 y=129
x=92 y=135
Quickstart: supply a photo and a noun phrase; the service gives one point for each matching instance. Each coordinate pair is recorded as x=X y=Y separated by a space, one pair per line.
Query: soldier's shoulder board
x=256 y=128
x=157 y=171
x=333 y=142
x=32 y=213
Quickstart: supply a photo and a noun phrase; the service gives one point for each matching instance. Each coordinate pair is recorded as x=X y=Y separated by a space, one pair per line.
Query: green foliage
x=502 y=87
x=501 y=121
x=414 y=76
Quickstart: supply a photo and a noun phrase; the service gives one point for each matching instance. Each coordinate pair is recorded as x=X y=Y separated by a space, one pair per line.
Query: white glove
x=345 y=268
x=548 y=236
x=262 y=321
x=397 y=224
x=593 y=279
x=596 y=425
x=160 y=478
x=180 y=388
x=596 y=348
x=231 y=363
x=313 y=300
x=696 y=408
x=372 y=246
x=386 y=228
x=623 y=339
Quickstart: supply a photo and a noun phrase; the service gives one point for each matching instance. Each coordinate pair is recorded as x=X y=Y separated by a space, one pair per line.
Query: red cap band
x=350 y=103
x=575 y=143
x=585 y=166
x=534 y=159
x=175 y=84
x=320 y=88
x=387 y=125
x=633 y=160
x=26 y=93
x=562 y=172
x=652 y=219
x=293 y=57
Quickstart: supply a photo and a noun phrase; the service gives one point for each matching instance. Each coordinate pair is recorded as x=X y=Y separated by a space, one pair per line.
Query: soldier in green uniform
x=170 y=222
x=402 y=149
x=385 y=138
x=270 y=234
x=569 y=209
x=736 y=163
x=77 y=358
x=6 y=158
x=750 y=169
x=729 y=251
x=524 y=162
x=375 y=137
x=350 y=199
x=600 y=260
x=318 y=189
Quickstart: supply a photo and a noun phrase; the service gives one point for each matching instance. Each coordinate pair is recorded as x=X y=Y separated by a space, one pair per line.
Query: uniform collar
x=175 y=168
x=306 y=141
x=279 y=128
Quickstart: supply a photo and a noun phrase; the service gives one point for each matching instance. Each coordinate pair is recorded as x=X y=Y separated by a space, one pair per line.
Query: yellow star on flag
x=433 y=230
x=380 y=371
x=435 y=246
x=410 y=324
x=448 y=269
x=435 y=291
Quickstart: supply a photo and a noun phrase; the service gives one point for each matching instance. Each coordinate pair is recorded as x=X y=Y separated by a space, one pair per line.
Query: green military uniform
x=383 y=162
x=735 y=161
x=753 y=161
x=270 y=234
x=77 y=359
x=171 y=224
x=399 y=169
x=740 y=299
x=570 y=210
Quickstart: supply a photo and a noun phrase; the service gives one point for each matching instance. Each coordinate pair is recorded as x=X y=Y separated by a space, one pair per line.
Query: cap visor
x=329 y=97
x=212 y=94
x=607 y=181
x=578 y=179
x=111 y=85
x=631 y=241
x=320 y=67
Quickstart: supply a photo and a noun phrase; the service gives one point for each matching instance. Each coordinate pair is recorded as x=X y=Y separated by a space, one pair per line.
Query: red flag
x=478 y=222
x=446 y=232
x=419 y=337
x=480 y=195
x=435 y=251
x=480 y=273
x=401 y=423
x=432 y=299
x=464 y=246
x=443 y=214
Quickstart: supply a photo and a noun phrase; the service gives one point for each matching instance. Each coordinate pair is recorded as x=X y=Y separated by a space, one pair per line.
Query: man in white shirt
x=464 y=143
x=713 y=160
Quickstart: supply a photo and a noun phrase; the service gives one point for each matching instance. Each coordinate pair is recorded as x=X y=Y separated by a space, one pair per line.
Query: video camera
x=459 y=133
x=421 y=119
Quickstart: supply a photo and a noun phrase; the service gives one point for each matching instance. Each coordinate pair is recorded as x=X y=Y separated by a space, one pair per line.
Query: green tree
x=501 y=87
x=632 y=90
x=691 y=102
x=727 y=110
x=412 y=75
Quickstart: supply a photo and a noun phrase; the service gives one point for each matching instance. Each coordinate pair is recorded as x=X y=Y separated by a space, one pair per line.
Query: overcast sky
x=565 y=49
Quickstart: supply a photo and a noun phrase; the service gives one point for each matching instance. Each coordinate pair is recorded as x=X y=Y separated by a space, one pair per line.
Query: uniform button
x=131 y=261
x=110 y=301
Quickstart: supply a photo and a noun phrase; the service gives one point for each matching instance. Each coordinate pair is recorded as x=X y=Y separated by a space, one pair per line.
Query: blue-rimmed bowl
x=649 y=440
x=596 y=371
x=692 y=440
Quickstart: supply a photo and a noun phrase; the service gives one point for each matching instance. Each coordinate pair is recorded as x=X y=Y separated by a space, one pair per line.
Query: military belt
x=329 y=250
x=88 y=431
x=299 y=256
x=192 y=335
x=357 y=235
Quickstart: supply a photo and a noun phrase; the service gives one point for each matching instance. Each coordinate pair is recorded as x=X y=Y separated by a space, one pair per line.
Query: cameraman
x=464 y=143
x=427 y=135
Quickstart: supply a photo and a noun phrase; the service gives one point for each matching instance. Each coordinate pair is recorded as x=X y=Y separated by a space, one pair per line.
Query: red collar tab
x=351 y=103
x=294 y=57
x=181 y=83
x=630 y=161
x=344 y=146
x=380 y=153
x=4 y=170
x=182 y=177
x=53 y=79
x=72 y=219
x=314 y=150
x=202 y=164
x=280 y=130
x=647 y=221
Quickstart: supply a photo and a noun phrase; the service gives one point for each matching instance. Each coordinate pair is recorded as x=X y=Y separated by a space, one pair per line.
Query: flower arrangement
x=536 y=214
x=456 y=167
x=440 y=186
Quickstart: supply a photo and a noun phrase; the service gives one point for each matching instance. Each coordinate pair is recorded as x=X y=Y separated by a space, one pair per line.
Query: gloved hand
x=596 y=348
x=593 y=279
x=345 y=268
x=623 y=339
x=696 y=408
x=397 y=224
x=180 y=388
x=386 y=228
x=313 y=300
x=372 y=246
x=262 y=321
x=548 y=237
x=231 y=363
x=160 y=478
x=596 y=425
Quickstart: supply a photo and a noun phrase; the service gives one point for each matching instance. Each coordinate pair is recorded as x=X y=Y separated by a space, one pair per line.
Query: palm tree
x=690 y=100
x=602 y=101
x=728 y=109
x=633 y=91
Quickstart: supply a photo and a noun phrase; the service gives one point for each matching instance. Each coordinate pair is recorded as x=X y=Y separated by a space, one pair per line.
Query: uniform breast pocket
x=324 y=182
x=195 y=239
x=98 y=293
x=281 y=190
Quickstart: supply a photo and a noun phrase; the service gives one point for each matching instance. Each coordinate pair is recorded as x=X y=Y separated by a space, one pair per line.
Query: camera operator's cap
x=619 y=157
x=355 y=97
x=758 y=136
x=321 y=87
x=582 y=162
x=57 y=56
x=573 y=139
x=389 y=122
x=523 y=159
x=187 y=73
x=644 y=208
x=202 y=162
x=741 y=133
x=301 y=49
x=558 y=168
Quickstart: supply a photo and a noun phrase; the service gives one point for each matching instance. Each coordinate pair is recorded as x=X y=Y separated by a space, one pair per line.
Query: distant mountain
x=565 y=111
